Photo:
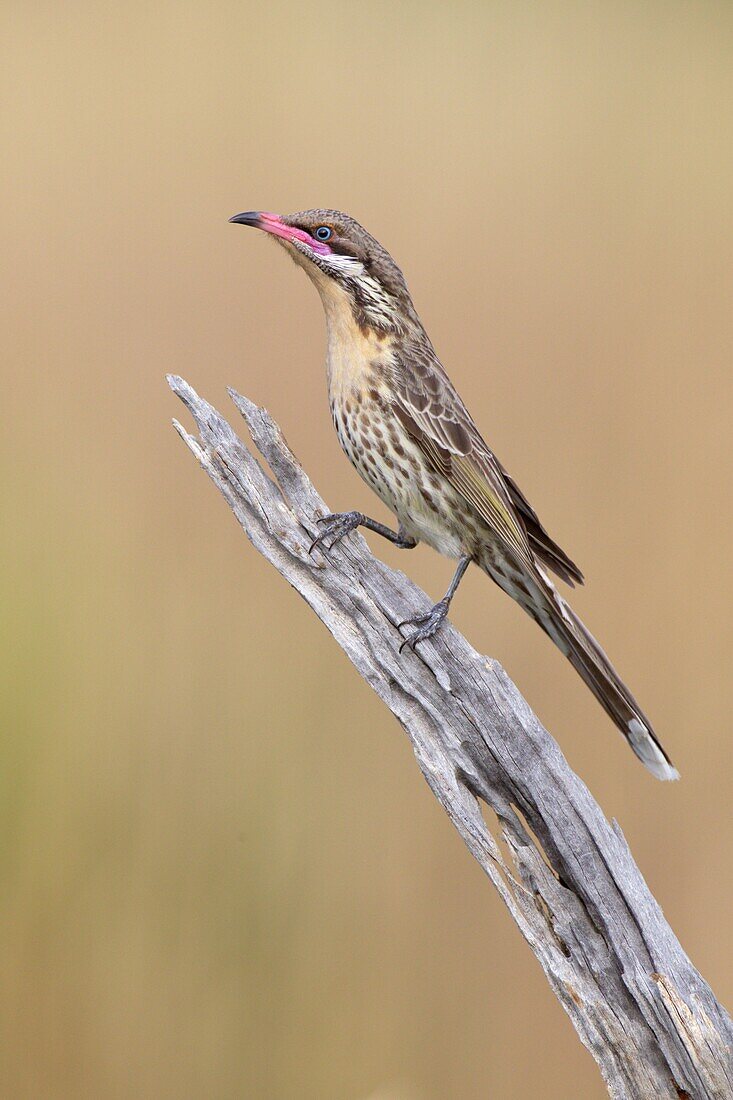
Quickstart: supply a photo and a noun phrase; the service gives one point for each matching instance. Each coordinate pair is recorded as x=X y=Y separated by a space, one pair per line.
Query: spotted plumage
x=407 y=432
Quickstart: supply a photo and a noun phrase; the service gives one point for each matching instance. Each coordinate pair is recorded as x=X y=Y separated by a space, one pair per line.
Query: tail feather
x=539 y=597
x=589 y=660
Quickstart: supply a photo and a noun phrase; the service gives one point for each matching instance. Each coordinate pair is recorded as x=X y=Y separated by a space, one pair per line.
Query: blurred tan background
x=222 y=874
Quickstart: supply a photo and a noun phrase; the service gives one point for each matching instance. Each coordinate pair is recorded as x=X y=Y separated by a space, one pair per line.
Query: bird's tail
x=538 y=596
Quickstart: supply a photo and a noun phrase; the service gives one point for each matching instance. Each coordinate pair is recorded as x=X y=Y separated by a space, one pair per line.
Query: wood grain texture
x=569 y=881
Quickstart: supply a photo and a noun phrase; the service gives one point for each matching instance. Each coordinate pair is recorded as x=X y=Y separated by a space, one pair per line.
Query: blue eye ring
x=322 y=233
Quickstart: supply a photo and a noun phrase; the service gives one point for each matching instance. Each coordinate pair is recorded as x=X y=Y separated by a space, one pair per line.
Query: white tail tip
x=649 y=751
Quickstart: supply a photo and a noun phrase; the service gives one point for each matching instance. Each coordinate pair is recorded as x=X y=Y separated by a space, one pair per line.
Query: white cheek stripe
x=346 y=265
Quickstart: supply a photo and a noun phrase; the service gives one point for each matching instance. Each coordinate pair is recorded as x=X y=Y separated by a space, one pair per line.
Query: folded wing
x=435 y=417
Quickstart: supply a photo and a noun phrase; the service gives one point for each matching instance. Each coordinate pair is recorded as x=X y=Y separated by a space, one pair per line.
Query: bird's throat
x=356 y=353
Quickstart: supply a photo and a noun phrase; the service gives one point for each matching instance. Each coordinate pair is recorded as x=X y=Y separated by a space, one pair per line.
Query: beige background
x=222 y=873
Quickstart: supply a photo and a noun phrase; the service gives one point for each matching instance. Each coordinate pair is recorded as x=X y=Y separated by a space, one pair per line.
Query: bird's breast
x=391 y=464
x=355 y=357
x=359 y=372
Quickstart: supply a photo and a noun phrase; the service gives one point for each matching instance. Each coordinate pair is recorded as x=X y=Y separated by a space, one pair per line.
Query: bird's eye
x=322 y=233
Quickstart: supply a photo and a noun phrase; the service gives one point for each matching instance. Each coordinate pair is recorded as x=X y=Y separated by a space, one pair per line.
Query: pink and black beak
x=274 y=224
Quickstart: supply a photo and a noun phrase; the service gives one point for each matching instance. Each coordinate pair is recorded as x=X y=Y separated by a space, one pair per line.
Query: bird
x=404 y=427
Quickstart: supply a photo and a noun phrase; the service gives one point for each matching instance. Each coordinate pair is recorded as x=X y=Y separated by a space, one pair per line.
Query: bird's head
x=347 y=264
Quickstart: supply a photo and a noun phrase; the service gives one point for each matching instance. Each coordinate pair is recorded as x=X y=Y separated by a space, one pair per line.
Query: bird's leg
x=335 y=526
x=427 y=625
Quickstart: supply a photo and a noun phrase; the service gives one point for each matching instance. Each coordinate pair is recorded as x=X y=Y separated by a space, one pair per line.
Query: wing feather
x=434 y=415
x=546 y=549
x=431 y=411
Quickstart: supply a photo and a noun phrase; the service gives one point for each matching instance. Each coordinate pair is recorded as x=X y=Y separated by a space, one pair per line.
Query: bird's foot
x=425 y=625
x=334 y=527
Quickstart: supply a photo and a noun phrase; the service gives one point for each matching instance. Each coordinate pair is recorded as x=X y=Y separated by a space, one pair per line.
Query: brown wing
x=432 y=412
x=544 y=547
x=434 y=415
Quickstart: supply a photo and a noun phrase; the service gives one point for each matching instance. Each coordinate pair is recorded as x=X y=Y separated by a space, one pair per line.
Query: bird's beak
x=249 y=217
x=273 y=223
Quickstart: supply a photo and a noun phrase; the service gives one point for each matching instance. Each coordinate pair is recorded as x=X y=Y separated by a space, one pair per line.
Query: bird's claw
x=335 y=527
x=425 y=625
